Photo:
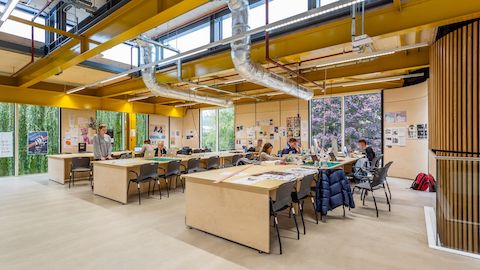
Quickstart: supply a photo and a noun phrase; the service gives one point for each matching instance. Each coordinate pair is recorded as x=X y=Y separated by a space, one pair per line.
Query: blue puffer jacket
x=332 y=191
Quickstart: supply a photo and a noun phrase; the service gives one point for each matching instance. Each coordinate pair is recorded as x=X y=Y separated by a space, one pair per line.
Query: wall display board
x=37 y=142
x=158 y=129
x=294 y=128
x=422 y=131
x=78 y=126
x=395 y=136
x=396 y=117
x=6 y=144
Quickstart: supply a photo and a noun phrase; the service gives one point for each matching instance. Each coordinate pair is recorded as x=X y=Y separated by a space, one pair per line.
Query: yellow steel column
x=132 y=130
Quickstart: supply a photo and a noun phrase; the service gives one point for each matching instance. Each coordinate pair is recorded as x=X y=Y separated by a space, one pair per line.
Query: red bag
x=424 y=182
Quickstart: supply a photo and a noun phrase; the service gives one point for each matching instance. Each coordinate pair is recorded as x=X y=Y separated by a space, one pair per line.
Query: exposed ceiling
x=389 y=26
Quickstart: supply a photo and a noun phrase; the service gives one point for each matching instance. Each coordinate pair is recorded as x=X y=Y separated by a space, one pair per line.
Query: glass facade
x=37 y=124
x=217 y=129
x=208 y=127
x=142 y=128
x=7 y=129
x=347 y=119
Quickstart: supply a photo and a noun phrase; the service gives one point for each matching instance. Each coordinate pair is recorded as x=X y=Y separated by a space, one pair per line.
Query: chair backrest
x=193 y=165
x=284 y=196
x=380 y=175
x=173 y=168
x=305 y=186
x=235 y=159
x=80 y=162
x=125 y=155
x=196 y=151
x=249 y=156
x=213 y=162
x=148 y=171
x=376 y=161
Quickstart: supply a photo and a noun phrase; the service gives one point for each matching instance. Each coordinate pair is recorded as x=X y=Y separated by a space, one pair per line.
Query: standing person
x=147 y=146
x=266 y=153
x=102 y=144
x=292 y=147
x=160 y=151
x=366 y=149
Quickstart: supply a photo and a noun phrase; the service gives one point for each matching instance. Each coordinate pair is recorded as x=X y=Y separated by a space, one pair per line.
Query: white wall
x=408 y=161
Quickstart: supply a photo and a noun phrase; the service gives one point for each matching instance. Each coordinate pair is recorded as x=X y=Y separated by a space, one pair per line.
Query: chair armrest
x=131 y=171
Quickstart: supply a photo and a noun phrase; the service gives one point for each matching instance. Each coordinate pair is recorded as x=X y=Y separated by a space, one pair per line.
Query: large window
x=217 y=129
x=7 y=126
x=142 y=128
x=115 y=125
x=21 y=29
x=187 y=40
x=326 y=121
x=37 y=124
x=346 y=120
x=122 y=53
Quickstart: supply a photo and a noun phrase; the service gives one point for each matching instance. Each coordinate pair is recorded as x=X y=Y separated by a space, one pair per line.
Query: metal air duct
x=164 y=90
x=254 y=72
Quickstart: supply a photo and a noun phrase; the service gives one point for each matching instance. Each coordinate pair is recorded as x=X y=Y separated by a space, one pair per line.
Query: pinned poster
x=412 y=132
x=6 y=144
x=37 y=142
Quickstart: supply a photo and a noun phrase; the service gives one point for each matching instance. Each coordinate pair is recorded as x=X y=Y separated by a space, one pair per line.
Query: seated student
x=366 y=149
x=147 y=146
x=160 y=151
x=292 y=147
x=266 y=153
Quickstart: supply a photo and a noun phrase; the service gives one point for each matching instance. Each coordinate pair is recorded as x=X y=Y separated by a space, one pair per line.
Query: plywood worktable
x=59 y=165
x=240 y=213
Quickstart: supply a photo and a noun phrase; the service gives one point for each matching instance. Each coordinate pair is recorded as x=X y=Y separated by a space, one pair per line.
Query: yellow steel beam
x=382 y=22
x=13 y=94
x=142 y=16
x=397 y=4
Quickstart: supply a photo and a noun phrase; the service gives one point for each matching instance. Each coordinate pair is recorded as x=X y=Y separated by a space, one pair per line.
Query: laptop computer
x=149 y=154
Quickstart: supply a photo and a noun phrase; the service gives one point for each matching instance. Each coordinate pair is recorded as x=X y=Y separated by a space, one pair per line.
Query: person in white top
x=102 y=144
x=266 y=154
x=147 y=146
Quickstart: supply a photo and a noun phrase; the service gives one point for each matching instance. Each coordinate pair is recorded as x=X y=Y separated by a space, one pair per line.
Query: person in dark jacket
x=366 y=149
x=292 y=147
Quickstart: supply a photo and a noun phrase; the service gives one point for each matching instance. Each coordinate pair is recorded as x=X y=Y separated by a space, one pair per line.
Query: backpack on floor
x=424 y=182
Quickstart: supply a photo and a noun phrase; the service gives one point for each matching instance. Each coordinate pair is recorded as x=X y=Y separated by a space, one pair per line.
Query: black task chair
x=376 y=182
x=125 y=156
x=173 y=171
x=148 y=173
x=193 y=166
x=375 y=164
x=234 y=160
x=80 y=165
x=283 y=201
x=213 y=163
x=197 y=151
x=299 y=197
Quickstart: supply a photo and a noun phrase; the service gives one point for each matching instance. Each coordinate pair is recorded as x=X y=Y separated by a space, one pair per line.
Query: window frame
x=217 y=126
x=343 y=95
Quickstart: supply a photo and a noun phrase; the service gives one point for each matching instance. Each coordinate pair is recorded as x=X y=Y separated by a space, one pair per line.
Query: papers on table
x=302 y=171
x=254 y=179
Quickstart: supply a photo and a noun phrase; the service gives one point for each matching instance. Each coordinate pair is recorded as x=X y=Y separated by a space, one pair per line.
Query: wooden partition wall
x=454 y=120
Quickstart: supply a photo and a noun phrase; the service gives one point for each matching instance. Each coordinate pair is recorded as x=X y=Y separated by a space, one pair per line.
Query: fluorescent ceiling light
x=76 y=89
x=9 y=7
x=312 y=14
x=113 y=78
x=186 y=105
x=380 y=80
x=139 y=98
x=371 y=55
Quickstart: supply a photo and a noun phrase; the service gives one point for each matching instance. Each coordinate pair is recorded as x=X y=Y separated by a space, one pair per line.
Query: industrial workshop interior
x=239 y=134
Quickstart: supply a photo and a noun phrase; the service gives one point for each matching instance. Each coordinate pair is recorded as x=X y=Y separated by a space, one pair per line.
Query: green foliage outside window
x=37 y=118
x=113 y=120
x=208 y=122
x=226 y=125
x=142 y=133
x=7 y=114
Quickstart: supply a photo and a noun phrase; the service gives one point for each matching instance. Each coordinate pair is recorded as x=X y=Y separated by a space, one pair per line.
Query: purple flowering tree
x=362 y=120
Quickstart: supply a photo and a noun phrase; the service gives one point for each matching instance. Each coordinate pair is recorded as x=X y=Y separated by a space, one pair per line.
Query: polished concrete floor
x=44 y=225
